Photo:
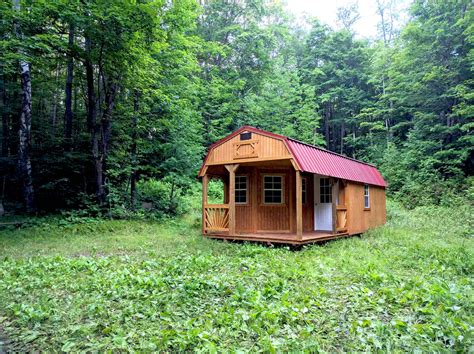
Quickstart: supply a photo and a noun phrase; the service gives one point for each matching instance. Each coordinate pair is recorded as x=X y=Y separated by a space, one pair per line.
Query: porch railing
x=341 y=218
x=216 y=217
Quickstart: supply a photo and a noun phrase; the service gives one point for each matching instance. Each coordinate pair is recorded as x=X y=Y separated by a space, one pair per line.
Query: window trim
x=330 y=190
x=240 y=189
x=283 y=201
x=366 y=195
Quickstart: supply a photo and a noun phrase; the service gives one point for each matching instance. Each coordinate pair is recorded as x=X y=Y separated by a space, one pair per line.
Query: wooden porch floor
x=288 y=238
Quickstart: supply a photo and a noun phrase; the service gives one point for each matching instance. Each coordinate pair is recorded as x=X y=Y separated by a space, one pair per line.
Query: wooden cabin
x=280 y=190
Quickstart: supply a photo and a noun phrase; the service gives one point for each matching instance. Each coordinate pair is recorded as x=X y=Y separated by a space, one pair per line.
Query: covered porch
x=289 y=219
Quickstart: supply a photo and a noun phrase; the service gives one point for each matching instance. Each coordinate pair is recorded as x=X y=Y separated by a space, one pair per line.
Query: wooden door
x=273 y=204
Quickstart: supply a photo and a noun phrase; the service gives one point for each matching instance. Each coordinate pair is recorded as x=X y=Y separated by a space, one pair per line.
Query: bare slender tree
x=68 y=114
x=24 y=148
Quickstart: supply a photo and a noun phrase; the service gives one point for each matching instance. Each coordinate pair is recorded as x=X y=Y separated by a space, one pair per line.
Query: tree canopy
x=125 y=96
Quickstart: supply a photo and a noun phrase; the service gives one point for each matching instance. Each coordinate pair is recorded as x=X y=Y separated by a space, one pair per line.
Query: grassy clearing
x=112 y=285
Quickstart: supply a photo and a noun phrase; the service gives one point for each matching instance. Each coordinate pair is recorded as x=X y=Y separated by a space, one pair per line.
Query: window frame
x=282 y=190
x=241 y=189
x=304 y=190
x=366 y=197
x=329 y=194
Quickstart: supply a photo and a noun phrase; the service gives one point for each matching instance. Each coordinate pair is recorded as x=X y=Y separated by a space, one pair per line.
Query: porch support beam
x=299 y=206
x=232 y=169
x=205 y=180
x=334 y=191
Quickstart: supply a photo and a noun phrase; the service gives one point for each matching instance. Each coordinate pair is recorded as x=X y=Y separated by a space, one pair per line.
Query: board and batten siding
x=255 y=216
x=360 y=219
x=235 y=150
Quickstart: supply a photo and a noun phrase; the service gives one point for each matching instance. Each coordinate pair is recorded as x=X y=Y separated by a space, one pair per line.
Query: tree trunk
x=24 y=146
x=101 y=151
x=5 y=125
x=54 y=105
x=91 y=99
x=92 y=125
x=68 y=115
x=133 y=153
x=24 y=160
x=326 y=126
x=343 y=130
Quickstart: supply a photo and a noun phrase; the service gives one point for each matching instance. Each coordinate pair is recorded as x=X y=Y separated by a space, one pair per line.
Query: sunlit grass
x=111 y=285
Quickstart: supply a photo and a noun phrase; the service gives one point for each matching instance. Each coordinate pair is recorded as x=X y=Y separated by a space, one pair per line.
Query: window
x=246 y=136
x=272 y=189
x=241 y=189
x=366 y=196
x=325 y=193
x=303 y=189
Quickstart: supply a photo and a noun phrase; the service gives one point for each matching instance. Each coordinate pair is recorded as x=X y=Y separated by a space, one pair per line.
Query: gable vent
x=246 y=136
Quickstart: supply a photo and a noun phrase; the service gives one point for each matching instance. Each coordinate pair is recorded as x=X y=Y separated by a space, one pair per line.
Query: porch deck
x=286 y=238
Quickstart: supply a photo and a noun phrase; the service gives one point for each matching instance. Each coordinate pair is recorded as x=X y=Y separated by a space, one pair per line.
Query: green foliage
x=165 y=196
x=188 y=73
x=215 y=192
x=114 y=285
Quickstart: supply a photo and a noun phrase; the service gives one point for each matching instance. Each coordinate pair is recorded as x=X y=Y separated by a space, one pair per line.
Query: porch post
x=232 y=169
x=334 y=191
x=205 y=179
x=299 y=206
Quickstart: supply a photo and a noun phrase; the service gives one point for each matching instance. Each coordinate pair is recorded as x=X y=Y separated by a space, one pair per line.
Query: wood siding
x=259 y=148
x=308 y=207
x=360 y=219
x=255 y=216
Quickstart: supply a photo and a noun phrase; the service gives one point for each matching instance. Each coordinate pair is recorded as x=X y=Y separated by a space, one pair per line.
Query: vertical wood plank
x=254 y=192
x=231 y=169
x=299 y=206
x=205 y=179
x=289 y=190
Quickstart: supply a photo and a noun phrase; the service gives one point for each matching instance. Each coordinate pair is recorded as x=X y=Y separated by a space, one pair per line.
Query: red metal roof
x=317 y=160
x=323 y=162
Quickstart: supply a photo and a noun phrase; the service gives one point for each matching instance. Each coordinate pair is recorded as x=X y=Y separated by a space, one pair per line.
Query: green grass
x=123 y=285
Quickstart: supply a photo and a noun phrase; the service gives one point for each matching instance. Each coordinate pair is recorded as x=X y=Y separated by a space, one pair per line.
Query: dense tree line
x=108 y=103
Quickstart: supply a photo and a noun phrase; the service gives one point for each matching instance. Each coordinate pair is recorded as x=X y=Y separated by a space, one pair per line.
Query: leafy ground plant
x=124 y=285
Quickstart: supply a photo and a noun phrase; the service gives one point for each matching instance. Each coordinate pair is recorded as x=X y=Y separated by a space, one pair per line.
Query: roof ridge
x=330 y=152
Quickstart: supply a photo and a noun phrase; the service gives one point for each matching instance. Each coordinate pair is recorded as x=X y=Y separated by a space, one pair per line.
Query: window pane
x=241 y=189
x=241 y=196
x=325 y=191
x=267 y=196
x=277 y=198
x=272 y=189
x=366 y=196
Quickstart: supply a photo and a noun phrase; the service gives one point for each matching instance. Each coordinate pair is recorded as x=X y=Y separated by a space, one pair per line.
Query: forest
x=108 y=108
x=109 y=104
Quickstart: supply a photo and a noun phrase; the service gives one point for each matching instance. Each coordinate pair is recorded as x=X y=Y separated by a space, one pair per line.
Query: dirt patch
x=4 y=342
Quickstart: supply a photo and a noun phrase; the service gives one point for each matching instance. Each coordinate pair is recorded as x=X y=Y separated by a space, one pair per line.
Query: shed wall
x=360 y=219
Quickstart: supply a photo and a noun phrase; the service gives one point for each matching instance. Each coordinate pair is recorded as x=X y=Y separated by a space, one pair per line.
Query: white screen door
x=322 y=204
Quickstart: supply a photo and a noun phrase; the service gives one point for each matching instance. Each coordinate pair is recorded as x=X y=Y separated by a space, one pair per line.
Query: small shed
x=280 y=190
